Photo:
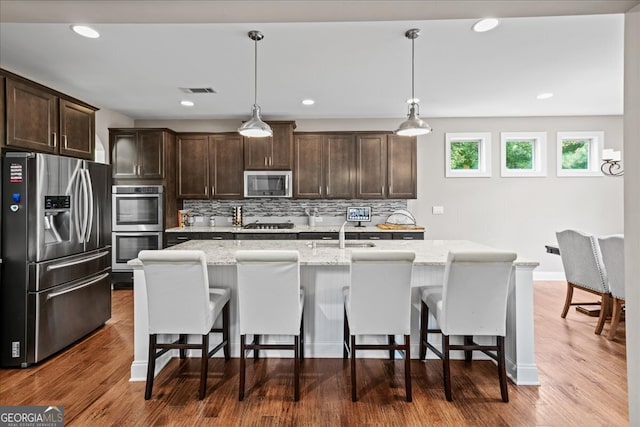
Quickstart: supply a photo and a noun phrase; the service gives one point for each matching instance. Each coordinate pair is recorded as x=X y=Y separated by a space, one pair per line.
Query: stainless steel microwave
x=267 y=184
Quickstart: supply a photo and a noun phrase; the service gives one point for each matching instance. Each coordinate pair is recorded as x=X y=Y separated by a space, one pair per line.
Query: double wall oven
x=137 y=222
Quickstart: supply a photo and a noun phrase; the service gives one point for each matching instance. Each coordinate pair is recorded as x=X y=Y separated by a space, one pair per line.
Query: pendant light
x=255 y=127
x=414 y=125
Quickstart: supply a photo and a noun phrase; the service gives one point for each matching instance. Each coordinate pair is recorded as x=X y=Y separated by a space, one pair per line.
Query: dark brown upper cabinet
x=140 y=153
x=324 y=166
x=77 y=130
x=271 y=153
x=402 y=169
x=43 y=120
x=210 y=166
x=386 y=166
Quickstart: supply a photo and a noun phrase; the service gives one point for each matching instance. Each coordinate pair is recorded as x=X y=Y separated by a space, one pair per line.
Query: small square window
x=468 y=154
x=579 y=153
x=523 y=154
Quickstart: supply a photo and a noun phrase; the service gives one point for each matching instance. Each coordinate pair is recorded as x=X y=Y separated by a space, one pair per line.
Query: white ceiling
x=351 y=57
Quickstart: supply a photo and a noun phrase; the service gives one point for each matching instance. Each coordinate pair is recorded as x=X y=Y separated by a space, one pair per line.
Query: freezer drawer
x=66 y=313
x=48 y=274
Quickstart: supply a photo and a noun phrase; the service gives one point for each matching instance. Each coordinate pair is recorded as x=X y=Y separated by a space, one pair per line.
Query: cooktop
x=268 y=225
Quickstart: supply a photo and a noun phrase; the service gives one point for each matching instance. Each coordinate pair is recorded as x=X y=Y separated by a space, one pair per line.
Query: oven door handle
x=76 y=262
x=75 y=288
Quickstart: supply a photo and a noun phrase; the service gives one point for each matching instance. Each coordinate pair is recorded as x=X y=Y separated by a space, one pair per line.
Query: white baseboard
x=549 y=275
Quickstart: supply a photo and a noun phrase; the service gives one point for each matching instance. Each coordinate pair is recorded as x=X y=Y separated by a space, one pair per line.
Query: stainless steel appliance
x=56 y=254
x=127 y=245
x=268 y=226
x=267 y=183
x=137 y=207
x=138 y=222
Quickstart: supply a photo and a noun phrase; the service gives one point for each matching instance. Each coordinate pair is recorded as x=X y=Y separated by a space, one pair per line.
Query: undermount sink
x=335 y=244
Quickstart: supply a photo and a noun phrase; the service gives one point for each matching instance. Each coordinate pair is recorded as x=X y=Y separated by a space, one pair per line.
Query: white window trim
x=595 y=153
x=484 y=160
x=539 y=154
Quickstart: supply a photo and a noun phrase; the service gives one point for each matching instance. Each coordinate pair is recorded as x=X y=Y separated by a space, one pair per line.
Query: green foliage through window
x=465 y=154
x=519 y=154
x=575 y=154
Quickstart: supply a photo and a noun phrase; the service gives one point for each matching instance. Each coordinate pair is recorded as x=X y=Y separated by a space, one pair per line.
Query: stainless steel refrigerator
x=56 y=247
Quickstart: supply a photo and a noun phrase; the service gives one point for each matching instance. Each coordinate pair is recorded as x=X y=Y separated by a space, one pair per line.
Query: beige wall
x=106 y=119
x=631 y=157
x=520 y=214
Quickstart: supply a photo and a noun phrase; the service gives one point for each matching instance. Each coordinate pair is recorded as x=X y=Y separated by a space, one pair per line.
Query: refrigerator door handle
x=73 y=190
x=90 y=196
x=75 y=288
x=76 y=262
x=85 y=206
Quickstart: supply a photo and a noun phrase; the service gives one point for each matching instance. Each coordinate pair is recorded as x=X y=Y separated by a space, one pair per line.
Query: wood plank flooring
x=582 y=375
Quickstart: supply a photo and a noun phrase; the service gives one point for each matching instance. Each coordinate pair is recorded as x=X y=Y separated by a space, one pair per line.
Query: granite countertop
x=296 y=229
x=428 y=252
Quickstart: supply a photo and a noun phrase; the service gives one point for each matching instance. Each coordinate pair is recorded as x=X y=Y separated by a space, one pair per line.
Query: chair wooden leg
x=468 y=354
x=296 y=369
x=392 y=352
x=424 y=319
x=151 y=366
x=567 y=301
x=225 y=331
x=354 y=397
x=446 y=368
x=604 y=312
x=615 y=318
x=242 y=367
x=407 y=367
x=502 y=371
x=256 y=341
x=182 y=339
x=204 y=366
x=302 y=336
x=345 y=335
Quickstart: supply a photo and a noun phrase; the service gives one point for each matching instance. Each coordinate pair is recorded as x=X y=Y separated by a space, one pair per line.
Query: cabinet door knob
x=64 y=141
x=55 y=142
x=213 y=190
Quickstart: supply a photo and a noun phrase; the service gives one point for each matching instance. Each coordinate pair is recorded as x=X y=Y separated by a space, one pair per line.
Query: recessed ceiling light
x=413 y=101
x=187 y=103
x=484 y=25
x=308 y=102
x=545 y=95
x=85 y=31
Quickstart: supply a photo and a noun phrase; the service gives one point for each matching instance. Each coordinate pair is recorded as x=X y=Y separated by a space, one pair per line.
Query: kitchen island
x=324 y=270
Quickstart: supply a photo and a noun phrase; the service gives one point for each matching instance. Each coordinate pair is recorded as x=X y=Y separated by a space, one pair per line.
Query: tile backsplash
x=292 y=209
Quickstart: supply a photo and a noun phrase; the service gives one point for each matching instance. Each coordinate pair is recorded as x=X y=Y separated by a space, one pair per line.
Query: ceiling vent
x=197 y=90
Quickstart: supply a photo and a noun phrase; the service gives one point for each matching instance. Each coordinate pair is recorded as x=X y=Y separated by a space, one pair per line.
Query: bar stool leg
x=242 y=367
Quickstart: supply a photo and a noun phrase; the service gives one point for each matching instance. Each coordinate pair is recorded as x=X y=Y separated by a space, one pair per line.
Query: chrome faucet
x=341 y=236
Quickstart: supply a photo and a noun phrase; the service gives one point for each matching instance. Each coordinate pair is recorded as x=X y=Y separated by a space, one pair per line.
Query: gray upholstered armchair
x=612 y=249
x=584 y=270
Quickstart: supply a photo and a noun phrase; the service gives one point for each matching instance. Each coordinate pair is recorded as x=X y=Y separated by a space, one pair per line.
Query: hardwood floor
x=582 y=376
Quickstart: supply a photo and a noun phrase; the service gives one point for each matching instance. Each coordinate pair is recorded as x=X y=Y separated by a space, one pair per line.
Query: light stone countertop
x=428 y=252
x=296 y=229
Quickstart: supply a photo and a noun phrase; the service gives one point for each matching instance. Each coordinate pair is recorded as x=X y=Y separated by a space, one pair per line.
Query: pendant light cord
x=413 y=80
x=255 y=72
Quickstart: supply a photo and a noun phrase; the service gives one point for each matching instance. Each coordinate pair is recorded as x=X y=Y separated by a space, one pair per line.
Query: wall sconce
x=611 y=163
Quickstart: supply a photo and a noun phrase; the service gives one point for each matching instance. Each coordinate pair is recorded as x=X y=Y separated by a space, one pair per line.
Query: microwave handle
x=286 y=184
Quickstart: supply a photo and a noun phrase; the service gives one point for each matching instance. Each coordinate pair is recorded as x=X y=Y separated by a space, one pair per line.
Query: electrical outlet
x=229 y=220
x=437 y=210
x=318 y=219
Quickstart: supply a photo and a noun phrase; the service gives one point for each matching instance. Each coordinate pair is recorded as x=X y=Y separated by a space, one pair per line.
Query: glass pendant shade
x=255 y=127
x=414 y=125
